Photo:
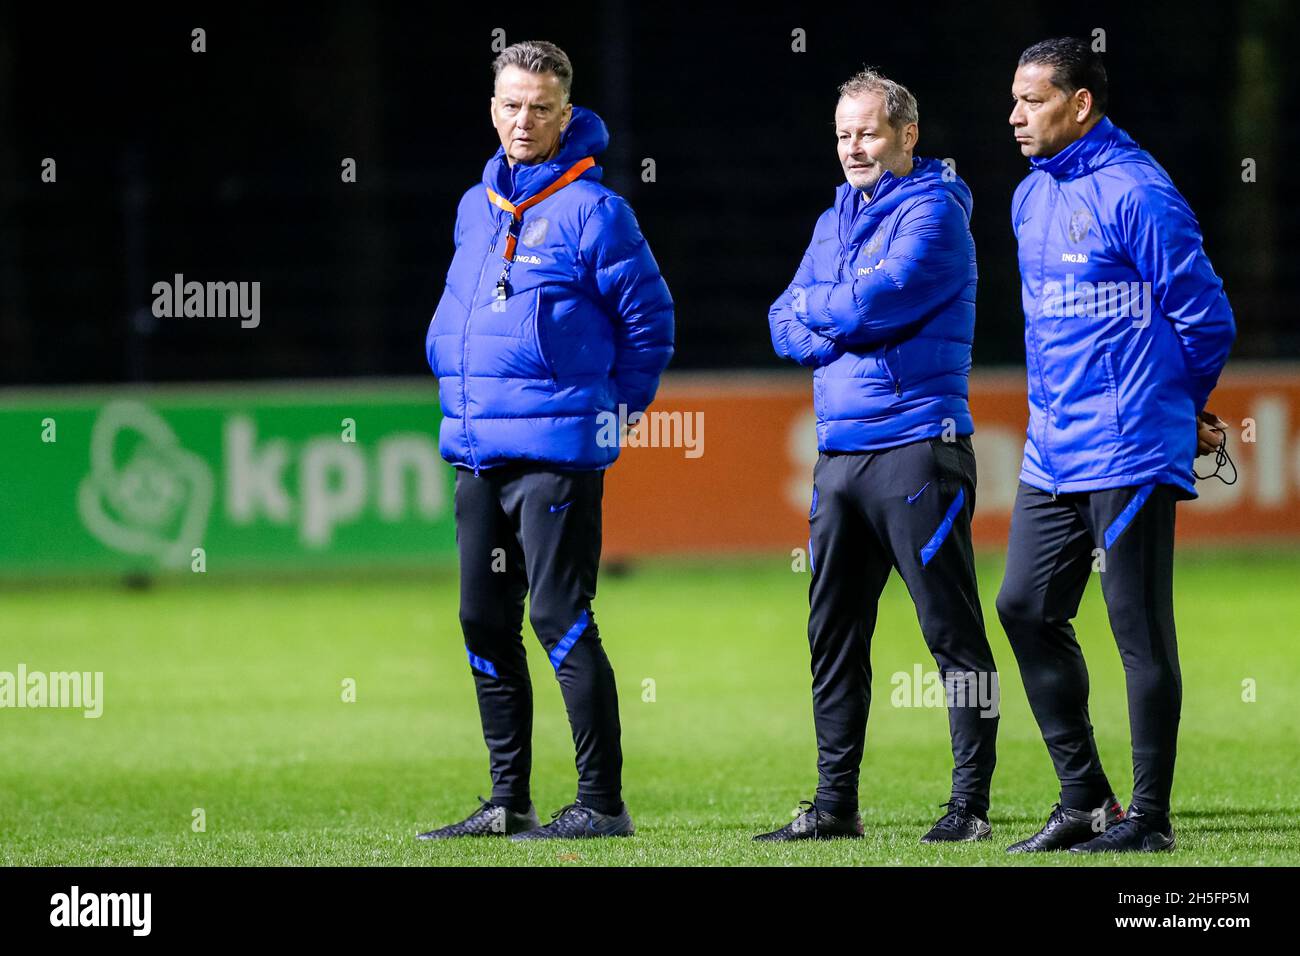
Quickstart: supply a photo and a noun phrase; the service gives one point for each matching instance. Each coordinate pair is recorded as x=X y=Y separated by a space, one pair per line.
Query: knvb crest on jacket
x=883 y=306
x=534 y=231
x=530 y=364
x=1079 y=223
x=1126 y=324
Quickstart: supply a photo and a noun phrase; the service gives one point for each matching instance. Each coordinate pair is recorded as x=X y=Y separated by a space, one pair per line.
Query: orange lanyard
x=517 y=213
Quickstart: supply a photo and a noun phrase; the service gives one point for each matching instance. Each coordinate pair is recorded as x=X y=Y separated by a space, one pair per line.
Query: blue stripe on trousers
x=945 y=526
x=561 y=650
x=481 y=663
x=1125 y=517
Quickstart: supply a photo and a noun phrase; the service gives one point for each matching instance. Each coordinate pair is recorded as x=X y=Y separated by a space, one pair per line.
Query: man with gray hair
x=883 y=308
x=554 y=320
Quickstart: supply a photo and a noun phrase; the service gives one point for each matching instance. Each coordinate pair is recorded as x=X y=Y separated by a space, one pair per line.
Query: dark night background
x=225 y=165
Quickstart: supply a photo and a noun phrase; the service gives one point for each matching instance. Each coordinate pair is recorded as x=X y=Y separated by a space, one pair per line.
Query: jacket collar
x=1083 y=155
x=586 y=135
x=887 y=184
x=857 y=214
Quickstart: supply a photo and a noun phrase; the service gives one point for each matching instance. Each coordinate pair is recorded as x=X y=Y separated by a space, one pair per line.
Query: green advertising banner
x=142 y=480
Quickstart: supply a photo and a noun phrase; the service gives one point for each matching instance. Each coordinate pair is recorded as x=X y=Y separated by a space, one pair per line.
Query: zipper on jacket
x=464 y=355
x=1042 y=381
x=845 y=267
x=893 y=378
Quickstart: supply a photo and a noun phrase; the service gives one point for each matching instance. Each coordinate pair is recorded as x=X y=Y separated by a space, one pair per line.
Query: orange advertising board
x=727 y=465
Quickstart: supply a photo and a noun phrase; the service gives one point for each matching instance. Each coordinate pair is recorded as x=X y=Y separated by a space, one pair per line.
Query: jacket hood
x=586 y=135
x=1102 y=145
x=928 y=175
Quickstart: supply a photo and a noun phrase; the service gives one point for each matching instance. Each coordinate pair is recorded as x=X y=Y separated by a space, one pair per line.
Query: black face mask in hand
x=1221 y=458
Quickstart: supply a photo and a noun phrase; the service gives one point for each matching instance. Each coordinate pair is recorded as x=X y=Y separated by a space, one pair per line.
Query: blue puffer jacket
x=883 y=305
x=587 y=326
x=1126 y=324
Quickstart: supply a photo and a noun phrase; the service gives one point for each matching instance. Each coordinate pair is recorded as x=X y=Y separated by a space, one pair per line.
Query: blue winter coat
x=1126 y=324
x=587 y=325
x=883 y=305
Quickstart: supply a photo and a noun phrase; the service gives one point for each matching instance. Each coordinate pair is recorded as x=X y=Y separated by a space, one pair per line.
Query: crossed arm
x=928 y=262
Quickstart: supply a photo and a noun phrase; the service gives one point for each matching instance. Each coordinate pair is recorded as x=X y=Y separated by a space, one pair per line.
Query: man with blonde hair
x=883 y=307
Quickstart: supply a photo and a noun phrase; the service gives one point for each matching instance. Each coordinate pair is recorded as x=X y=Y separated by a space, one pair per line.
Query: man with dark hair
x=1073 y=66
x=1126 y=331
x=883 y=307
x=554 y=315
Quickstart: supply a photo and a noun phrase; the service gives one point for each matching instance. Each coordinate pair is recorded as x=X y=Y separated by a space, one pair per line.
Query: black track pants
x=1127 y=535
x=907 y=508
x=532 y=530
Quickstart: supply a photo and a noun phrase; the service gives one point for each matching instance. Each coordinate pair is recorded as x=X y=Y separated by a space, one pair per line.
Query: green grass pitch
x=227 y=697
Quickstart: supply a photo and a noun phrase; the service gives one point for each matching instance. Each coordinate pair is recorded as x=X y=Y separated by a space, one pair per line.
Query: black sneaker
x=1066 y=828
x=1136 y=833
x=960 y=824
x=814 y=824
x=490 y=819
x=577 y=821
